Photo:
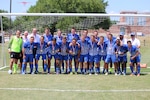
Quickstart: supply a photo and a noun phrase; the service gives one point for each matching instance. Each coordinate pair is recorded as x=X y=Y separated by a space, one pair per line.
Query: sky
x=115 y=6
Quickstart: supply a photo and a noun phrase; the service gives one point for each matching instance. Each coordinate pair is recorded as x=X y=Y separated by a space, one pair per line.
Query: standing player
x=84 y=47
x=14 y=48
x=85 y=34
x=64 y=53
x=110 y=54
x=48 y=39
x=74 y=51
x=102 y=51
x=72 y=35
x=36 y=41
x=121 y=51
x=134 y=57
x=59 y=37
x=27 y=52
x=54 y=50
x=41 y=51
x=93 y=55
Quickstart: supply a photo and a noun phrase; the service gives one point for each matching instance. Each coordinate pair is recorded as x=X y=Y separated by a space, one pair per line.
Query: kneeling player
x=84 y=46
x=134 y=58
x=74 y=50
x=27 y=52
x=41 y=51
x=54 y=50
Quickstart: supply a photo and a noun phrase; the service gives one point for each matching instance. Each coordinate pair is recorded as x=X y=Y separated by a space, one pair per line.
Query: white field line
x=61 y=90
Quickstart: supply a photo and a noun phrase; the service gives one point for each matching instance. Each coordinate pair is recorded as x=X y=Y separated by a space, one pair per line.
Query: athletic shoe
x=116 y=74
x=71 y=73
x=9 y=71
x=138 y=75
x=106 y=73
x=96 y=74
x=23 y=73
x=131 y=74
x=90 y=74
x=76 y=73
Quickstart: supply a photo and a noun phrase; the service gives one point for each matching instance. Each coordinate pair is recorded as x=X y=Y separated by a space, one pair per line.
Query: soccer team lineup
x=74 y=54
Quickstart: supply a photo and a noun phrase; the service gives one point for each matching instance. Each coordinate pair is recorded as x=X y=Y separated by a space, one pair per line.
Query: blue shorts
x=122 y=59
x=110 y=58
x=28 y=58
x=93 y=59
x=84 y=58
x=135 y=60
x=102 y=57
x=62 y=57
x=37 y=56
x=56 y=56
x=73 y=57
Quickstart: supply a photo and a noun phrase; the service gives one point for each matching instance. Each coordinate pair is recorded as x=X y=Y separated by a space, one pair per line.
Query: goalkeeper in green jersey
x=15 y=48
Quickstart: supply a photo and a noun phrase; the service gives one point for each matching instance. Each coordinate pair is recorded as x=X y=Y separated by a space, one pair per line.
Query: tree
x=67 y=6
x=5 y=20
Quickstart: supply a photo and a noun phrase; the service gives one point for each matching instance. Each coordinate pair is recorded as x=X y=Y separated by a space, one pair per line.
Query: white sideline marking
x=59 y=90
x=3 y=67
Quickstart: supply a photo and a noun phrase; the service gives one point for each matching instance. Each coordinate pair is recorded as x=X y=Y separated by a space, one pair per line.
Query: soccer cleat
x=106 y=73
x=96 y=74
x=131 y=74
x=71 y=73
x=9 y=71
x=116 y=74
x=138 y=75
x=90 y=74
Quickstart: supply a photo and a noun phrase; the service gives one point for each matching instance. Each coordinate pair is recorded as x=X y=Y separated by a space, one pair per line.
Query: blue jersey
x=59 y=39
x=93 y=48
x=48 y=38
x=133 y=50
x=121 y=49
x=110 y=47
x=84 y=46
x=64 y=48
x=28 y=47
x=106 y=39
x=75 y=49
x=54 y=49
x=103 y=49
x=87 y=38
x=41 y=48
x=70 y=37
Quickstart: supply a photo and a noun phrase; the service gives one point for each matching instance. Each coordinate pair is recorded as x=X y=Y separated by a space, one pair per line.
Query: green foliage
x=6 y=21
x=66 y=6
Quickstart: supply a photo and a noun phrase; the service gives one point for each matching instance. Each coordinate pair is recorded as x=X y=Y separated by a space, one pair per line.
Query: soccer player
x=85 y=34
x=41 y=51
x=72 y=35
x=93 y=55
x=27 y=52
x=48 y=37
x=110 y=54
x=134 y=57
x=14 y=48
x=74 y=50
x=59 y=37
x=121 y=56
x=102 y=51
x=84 y=47
x=64 y=54
x=36 y=41
x=54 y=50
x=96 y=36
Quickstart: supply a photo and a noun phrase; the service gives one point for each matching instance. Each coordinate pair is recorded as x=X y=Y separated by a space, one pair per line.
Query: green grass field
x=79 y=87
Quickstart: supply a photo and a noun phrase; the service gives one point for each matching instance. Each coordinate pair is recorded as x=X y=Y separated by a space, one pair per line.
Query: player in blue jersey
x=48 y=39
x=27 y=52
x=93 y=55
x=59 y=37
x=74 y=50
x=121 y=56
x=85 y=34
x=84 y=47
x=111 y=57
x=134 y=58
x=72 y=35
x=54 y=51
x=41 y=52
x=102 y=51
x=96 y=36
x=64 y=46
